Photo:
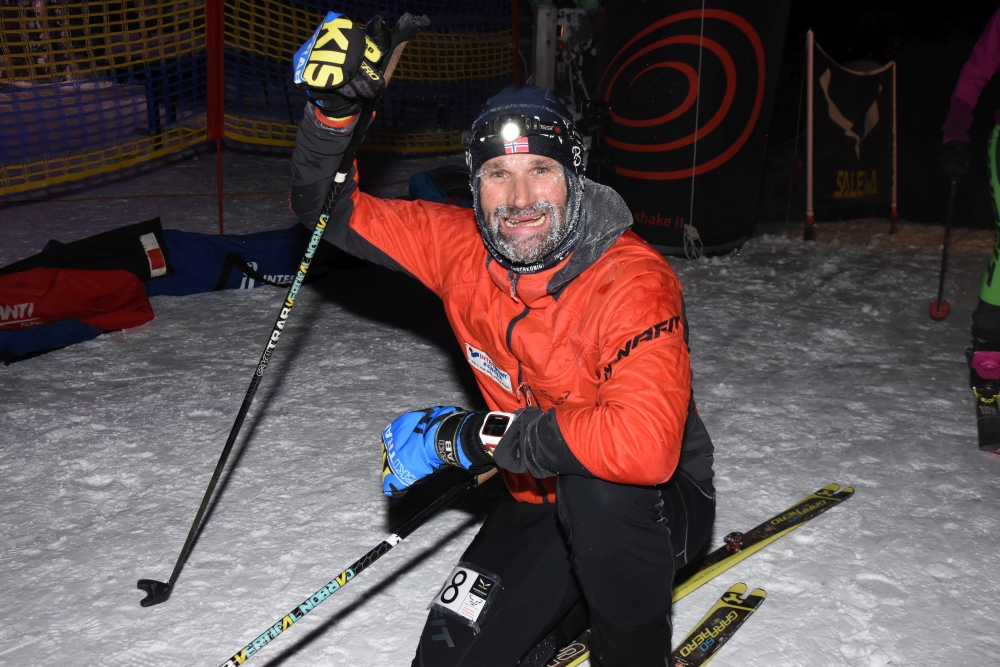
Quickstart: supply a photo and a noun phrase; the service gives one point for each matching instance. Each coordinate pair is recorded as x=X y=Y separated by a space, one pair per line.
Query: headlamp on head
x=510 y=131
x=511 y=127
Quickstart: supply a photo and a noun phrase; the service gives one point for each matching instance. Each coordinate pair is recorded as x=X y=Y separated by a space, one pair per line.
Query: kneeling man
x=575 y=330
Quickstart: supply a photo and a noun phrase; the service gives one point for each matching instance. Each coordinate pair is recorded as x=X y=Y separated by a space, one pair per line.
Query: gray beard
x=528 y=250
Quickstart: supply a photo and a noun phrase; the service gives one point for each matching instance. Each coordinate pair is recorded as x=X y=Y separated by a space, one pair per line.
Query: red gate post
x=215 y=49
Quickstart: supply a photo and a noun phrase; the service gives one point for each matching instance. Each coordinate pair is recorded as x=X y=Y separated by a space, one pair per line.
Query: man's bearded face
x=524 y=200
x=506 y=223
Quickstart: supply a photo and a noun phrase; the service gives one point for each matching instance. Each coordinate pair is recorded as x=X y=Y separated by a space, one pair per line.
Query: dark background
x=929 y=43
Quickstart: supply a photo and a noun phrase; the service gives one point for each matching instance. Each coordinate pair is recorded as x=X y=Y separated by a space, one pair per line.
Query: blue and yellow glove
x=338 y=65
x=417 y=443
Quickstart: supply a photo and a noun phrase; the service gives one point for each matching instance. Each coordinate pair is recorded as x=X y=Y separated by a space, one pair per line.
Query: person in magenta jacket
x=984 y=355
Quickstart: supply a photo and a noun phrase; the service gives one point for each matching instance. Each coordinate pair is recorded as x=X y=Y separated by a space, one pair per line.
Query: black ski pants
x=614 y=546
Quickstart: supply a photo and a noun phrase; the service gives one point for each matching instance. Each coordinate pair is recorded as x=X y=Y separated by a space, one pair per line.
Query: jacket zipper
x=513 y=278
x=522 y=386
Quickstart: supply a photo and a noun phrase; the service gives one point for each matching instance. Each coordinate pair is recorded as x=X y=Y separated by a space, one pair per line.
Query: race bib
x=467 y=594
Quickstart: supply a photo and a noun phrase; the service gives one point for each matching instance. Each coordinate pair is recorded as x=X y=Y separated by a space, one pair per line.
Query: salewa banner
x=691 y=88
x=853 y=136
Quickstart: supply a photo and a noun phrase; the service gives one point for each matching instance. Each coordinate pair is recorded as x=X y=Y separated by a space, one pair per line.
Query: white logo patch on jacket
x=482 y=363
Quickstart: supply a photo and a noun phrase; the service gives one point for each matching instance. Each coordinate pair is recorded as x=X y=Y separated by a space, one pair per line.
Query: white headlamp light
x=510 y=131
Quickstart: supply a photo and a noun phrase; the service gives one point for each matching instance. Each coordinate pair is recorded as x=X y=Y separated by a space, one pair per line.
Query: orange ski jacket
x=593 y=347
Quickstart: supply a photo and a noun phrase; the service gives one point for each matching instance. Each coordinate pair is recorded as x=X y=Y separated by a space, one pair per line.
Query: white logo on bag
x=247 y=282
x=482 y=363
x=19 y=313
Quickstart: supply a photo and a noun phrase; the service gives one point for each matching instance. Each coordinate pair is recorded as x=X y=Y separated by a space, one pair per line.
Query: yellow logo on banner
x=322 y=70
x=860 y=183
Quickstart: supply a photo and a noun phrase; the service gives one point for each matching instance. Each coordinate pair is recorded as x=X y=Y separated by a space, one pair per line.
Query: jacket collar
x=604 y=217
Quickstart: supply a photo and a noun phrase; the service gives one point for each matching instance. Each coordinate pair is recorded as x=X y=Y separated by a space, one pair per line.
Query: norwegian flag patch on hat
x=517 y=146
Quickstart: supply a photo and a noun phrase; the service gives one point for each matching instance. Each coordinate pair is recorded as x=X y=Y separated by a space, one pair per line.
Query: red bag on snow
x=108 y=300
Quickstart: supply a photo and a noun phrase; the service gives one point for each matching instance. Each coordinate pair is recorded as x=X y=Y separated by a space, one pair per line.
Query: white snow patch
x=811 y=364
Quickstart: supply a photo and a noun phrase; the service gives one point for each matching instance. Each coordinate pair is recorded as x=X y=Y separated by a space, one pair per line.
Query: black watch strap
x=446 y=442
x=472 y=446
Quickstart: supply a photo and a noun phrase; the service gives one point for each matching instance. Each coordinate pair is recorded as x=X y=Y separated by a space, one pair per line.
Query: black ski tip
x=156 y=591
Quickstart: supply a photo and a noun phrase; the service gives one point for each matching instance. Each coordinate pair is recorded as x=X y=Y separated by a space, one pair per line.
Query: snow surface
x=812 y=364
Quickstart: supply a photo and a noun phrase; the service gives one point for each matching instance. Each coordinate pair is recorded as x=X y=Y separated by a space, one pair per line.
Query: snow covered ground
x=812 y=364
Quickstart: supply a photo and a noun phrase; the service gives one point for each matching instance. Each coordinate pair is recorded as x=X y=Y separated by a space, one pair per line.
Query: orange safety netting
x=92 y=86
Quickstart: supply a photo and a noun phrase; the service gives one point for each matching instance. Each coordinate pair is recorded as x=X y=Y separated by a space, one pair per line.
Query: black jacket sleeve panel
x=534 y=444
x=315 y=161
x=697 y=450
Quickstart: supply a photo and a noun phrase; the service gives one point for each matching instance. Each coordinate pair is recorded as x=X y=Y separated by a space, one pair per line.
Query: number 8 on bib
x=467 y=594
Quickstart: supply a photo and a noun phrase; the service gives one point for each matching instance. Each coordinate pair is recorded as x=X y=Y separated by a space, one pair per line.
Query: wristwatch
x=494 y=427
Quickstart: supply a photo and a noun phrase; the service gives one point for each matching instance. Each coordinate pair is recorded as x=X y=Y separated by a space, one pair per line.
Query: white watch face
x=494 y=427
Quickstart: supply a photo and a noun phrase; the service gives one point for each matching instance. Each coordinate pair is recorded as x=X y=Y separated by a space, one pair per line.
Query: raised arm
x=976 y=73
x=405 y=236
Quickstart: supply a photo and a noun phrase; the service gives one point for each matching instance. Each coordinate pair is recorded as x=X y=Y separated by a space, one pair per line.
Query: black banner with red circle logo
x=691 y=89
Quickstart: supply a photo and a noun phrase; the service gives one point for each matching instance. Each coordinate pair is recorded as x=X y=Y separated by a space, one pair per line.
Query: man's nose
x=522 y=194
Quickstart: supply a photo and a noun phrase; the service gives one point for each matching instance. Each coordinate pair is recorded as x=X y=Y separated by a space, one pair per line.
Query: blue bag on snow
x=27 y=343
x=207 y=263
x=448 y=184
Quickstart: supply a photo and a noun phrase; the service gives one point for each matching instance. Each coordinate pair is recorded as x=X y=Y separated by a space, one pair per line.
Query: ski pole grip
x=406 y=29
x=485 y=476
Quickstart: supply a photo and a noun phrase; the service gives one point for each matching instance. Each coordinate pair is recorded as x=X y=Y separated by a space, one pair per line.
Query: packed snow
x=812 y=363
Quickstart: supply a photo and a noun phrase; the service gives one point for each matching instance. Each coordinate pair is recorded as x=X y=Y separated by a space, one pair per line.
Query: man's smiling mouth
x=524 y=221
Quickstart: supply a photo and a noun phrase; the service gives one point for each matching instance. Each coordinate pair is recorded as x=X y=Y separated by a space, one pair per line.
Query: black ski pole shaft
x=944 y=244
x=383 y=547
x=939 y=307
x=405 y=29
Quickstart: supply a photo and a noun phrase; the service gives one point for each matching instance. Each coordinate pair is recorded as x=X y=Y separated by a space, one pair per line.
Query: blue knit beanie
x=565 y=147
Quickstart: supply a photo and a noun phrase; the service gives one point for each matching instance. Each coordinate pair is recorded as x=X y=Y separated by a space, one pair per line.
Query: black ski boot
x=984 y=378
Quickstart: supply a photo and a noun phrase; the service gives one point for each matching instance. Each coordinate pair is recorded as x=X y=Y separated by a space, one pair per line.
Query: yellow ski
x=702 y=643
x=737 y=547
x=741 y=545
x=719 y=625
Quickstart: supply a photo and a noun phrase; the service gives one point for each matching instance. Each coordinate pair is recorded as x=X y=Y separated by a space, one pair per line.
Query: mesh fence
x=90 y=86
x=439 y=86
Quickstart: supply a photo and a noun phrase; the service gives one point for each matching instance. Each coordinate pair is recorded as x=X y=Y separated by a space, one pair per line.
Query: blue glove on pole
x=417 y=443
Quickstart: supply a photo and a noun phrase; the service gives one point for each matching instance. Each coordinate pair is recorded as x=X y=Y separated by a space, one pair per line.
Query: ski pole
x=310 y=603
x=405 y=30
x=940 y=308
